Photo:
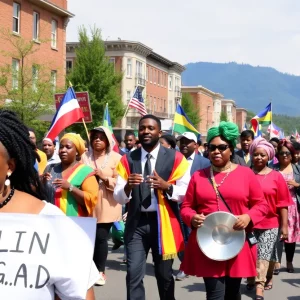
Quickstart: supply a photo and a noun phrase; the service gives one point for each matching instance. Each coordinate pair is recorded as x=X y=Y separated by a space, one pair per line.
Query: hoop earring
x=7 y=181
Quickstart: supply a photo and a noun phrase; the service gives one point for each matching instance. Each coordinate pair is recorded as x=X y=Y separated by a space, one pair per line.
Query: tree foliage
x=189 y=108
x=93 y=72
x=27 y=90
x=287 y=123
x=223 y=116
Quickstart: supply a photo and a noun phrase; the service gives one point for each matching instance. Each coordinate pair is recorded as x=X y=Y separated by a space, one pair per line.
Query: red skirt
x=195 y=262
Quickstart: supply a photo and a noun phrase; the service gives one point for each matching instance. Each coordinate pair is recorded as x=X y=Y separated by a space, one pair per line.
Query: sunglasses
x=287 y=153
x=221 y=147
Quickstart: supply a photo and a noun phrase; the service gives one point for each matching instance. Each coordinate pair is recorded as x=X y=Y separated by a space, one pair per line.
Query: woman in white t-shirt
x=20 y=192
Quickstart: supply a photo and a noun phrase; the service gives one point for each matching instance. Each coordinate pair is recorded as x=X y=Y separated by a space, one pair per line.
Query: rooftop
x=201 y=88
x=136 y=47
x=53 y=8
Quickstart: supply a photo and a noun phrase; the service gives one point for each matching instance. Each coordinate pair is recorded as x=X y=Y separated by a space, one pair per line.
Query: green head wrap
x=227 y=130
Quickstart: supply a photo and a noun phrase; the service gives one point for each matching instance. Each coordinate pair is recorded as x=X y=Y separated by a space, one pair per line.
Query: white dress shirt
x=54 y=159
x=190 y=159
x=179 y=190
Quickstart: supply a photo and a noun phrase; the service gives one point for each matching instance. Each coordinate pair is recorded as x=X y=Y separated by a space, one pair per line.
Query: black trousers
x=289 y=250
x=101 y=246
x=223 y=288
x=145 y=238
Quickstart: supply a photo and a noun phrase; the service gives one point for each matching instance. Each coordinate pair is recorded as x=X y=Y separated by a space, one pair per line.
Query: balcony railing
x=140 y=80
x=160 y=114
x=177 y=92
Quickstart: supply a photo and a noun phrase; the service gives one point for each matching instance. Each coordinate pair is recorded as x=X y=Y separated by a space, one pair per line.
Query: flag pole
x=86 y=130
x=173 y=120
x=126 y=111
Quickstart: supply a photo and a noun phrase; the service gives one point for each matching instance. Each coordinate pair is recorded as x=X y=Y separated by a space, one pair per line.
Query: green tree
x=250 y=115
x=189 y=108
x=26 y=87
x=223 y=116
x=93 y=72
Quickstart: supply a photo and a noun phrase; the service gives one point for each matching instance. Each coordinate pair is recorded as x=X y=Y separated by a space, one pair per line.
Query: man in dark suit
x=141 y=192
x=243 y=155
x=188 y=145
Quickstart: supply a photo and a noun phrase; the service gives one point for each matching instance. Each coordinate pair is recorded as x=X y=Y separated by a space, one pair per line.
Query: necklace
x=222 y=181
x=265 y=173
x=8 y=198
x=215 y=185
x=104 y=164
x=221 y=169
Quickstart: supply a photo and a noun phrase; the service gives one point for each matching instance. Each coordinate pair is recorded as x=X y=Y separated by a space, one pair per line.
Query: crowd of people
x=163 y=188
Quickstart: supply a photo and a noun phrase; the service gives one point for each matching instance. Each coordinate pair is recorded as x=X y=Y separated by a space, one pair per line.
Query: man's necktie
x=247 y=157
x=146 y=187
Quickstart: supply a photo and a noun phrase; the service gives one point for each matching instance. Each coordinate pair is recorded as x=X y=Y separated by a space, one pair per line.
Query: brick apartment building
x=157 y=77
x=45 y=23
x=211 y=104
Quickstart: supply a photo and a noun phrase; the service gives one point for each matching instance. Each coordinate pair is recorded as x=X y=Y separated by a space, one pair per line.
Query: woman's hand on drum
x=197 y=220
x=242 y=222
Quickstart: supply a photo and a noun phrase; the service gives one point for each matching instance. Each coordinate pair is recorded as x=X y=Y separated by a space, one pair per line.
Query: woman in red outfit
x=267 y=231
x=243 y=194
x=291 y=175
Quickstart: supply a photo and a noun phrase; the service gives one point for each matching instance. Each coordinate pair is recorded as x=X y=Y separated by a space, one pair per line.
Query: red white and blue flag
x=67 y=114
x=137 y=102
x=274 y=130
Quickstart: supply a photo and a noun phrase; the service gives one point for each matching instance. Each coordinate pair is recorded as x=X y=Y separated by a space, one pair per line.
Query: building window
x=154 y=77
x=128 y=96
x=151 y=104
x=15 y=73
x=158 y=79
x=129 y=68
x=166 y=82
x=36 y=25
x=53 y=80
x=16 y=17
x=113 y=61
x=35 y=75
x=147 y=71
x=139 y=68
x=170 y=83
x=69 y=65
x=165 y=106
x=54 y=34
x=150 y=77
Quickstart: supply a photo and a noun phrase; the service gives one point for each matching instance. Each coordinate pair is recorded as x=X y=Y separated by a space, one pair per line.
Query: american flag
x=137 y=101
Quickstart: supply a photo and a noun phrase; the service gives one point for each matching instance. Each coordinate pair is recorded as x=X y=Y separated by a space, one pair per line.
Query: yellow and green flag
x=182 y=123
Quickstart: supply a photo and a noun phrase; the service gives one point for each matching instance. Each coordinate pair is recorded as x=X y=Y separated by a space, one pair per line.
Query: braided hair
x=14 y=137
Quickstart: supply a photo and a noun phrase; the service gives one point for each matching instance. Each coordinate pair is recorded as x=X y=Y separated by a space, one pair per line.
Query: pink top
x=277 y=194
x=243 y=193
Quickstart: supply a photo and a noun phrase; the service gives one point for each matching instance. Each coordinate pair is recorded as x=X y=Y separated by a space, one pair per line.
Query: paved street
x=286 y=286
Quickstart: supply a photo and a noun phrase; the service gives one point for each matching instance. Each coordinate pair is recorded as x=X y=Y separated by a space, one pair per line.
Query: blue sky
x=256 y=32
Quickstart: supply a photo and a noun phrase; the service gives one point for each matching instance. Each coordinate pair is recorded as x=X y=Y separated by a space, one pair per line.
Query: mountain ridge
x=251 y=87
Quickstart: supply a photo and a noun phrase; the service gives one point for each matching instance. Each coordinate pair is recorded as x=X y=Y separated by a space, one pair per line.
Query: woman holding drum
x=225 y=187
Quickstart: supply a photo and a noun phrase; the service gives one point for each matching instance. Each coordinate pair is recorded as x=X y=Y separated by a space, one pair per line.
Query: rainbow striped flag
x=182 y=123
x=169 y=229
x=65 y=200
x=107 y=124
x=262 y=118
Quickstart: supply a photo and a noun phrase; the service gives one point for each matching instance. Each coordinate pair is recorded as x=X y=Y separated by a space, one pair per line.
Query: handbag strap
x=222 y=198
